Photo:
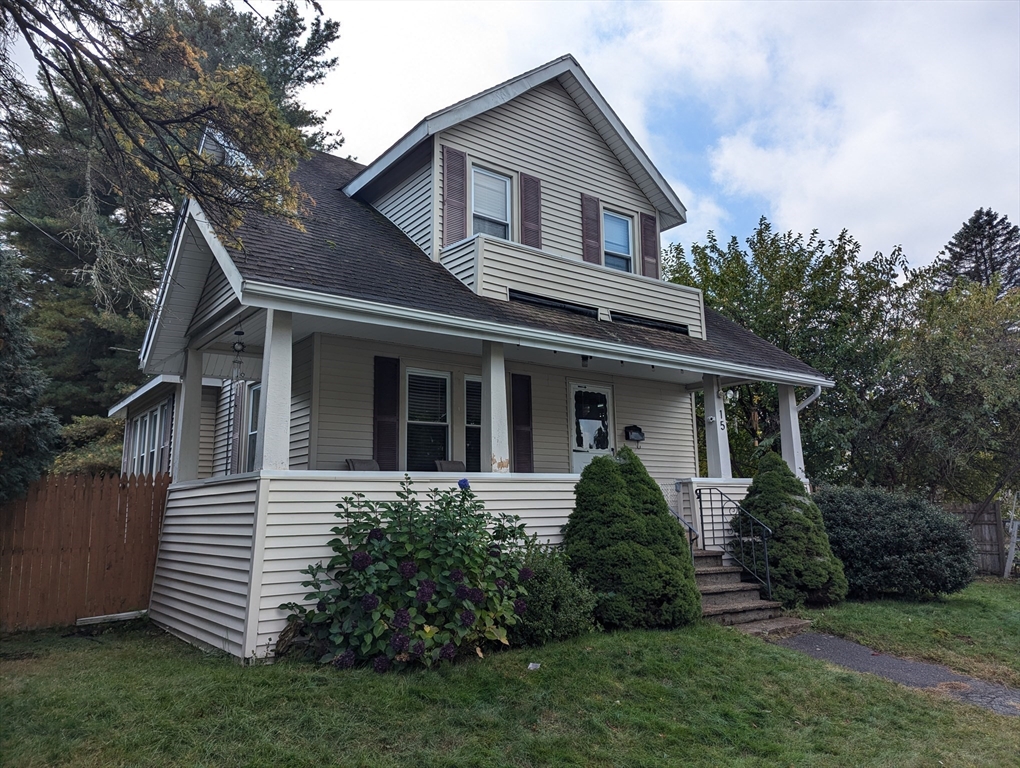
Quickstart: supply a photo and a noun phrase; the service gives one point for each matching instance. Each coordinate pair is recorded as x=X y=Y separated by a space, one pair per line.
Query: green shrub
x=894 y=544
x=633 y=553
x=801 y=564
x=412 y=583
x=561 y=605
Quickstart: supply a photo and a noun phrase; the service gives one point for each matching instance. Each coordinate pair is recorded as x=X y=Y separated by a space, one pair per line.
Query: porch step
x=707 y=558
x=773 y=629
x=741 y=593
x=719 y=574
x=741 y=613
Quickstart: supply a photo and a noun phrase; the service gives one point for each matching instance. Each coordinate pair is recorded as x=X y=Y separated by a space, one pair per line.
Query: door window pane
x=591 y=421
x=428 y=427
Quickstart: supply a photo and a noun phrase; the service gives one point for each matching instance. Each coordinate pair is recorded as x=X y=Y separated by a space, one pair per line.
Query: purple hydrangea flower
x=462 y=592
x=401 y=619
x=501 y=584
x=320 y=606
x=426 y=590
x=369 y=603
x=467 y=618
x=448 y=652
x=381 y=663
x=360 y=561
x=457 y=575
x=376 y=534
x=463 y=484
x=520 y=606
x=495 y=551
x=418 y=649
x=399 y=643
x=345 y=660
x=526 y=574
x=407 y=569
x=476 y=595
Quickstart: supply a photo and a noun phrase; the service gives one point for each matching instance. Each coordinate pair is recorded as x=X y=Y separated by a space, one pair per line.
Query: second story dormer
x=534 y=190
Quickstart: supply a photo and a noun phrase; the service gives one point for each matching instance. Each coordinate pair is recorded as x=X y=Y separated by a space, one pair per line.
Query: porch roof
x=351 y=251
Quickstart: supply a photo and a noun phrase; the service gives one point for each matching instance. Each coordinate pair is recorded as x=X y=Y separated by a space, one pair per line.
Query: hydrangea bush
x=412 y=583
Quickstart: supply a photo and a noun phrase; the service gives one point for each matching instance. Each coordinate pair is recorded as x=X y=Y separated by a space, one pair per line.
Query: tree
x=822 y=303
x=28 y=433
x=985 y=246
x=93 y=226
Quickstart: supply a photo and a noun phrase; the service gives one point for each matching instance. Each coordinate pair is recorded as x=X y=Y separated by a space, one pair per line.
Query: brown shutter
x=386 y=413
x=649 y=247
x=531 y=211
x=591 y=230
x=454 y=195
x=520 y=409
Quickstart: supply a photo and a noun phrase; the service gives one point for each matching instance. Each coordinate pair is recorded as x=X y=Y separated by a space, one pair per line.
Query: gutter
x=809 y=399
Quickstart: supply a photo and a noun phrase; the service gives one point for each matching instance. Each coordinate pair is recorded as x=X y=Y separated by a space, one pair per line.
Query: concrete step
x=741 y=613
x=707 y=558
x=728 y=594
x=773 y=629
x=721 y=574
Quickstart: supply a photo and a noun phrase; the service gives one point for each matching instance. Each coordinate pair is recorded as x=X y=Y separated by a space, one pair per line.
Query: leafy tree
x=92 y=444
x=985 y=246
x=28 y=433
x=801 y=564
x=822 y=303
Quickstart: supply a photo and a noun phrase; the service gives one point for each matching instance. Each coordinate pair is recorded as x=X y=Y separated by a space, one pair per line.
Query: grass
x=976 y=631
x=700 y=696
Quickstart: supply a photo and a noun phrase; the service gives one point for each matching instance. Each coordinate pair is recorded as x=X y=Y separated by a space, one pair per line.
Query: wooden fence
x=989 y=536
x=79 y=546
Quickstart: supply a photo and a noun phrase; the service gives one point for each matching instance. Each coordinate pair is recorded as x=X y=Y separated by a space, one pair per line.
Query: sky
x=893 y=120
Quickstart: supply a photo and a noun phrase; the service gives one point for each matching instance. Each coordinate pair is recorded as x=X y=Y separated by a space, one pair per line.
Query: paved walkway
x=915 y=674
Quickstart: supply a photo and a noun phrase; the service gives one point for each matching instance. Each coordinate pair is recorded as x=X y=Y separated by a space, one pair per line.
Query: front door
x=591 y=408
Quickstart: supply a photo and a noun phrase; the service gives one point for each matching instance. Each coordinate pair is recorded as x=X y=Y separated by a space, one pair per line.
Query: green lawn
x=701 y=696
x=976 y=631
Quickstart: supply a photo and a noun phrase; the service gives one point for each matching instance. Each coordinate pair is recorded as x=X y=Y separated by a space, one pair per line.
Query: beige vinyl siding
x=221 y=435
x=544 y=133
x=301 y=512
x=734 y=488
x=409 y=206
x=207 y=431
x=662 y=409
x=216 y=296
x=200 y=588
x=462 y=261
x=301 y=403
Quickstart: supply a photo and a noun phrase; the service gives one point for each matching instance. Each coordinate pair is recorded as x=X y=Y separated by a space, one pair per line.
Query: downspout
x=810 y=398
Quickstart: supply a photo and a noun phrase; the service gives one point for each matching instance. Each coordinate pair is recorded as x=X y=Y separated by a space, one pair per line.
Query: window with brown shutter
x=386 y=413
x=591 y=230
x=531 y=211
x=520 y=414
x=649 y=247
x=454 y=195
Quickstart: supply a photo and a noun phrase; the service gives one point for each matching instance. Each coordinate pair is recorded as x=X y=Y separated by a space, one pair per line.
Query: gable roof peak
x=579 y=86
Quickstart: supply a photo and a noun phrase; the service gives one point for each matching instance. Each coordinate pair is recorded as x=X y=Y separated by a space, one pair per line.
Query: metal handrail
x=741 y=533
x=692 y=532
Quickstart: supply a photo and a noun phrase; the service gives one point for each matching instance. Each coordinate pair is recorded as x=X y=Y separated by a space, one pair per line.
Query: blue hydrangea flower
x=360 y=561
x=399 y=643
x=376 y=534
x=463 y=484
x=369 y=603
x=526 y=574
x=381 y=663
x=520 y=606
x=476 y=595
x=418 y=649
x=407 y=569
x=467 y=618
x=456 y=575
x=426 y=590
x=345 y=660
x=401 y=619
x=448 y=652
x=501 y=584
x=462 y=592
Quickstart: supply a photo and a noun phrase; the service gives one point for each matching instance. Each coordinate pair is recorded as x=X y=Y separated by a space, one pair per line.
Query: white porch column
x=789 y=430
x=273 y=444
x=717 y=441
x=495 y=430
x=184 y=464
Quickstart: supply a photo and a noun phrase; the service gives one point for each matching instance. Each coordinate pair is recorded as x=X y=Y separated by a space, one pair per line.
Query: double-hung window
x=490 y=203
x=146 y=441
x=473 y=424
x=428 y=420
x=617 y=233
x=254 y=403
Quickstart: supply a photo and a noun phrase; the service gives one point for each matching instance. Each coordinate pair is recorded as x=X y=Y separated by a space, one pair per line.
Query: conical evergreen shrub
x=802 y=566
x=627 y=550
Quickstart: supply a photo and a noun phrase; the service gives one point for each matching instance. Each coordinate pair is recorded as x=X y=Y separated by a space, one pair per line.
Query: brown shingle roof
x=349 y=249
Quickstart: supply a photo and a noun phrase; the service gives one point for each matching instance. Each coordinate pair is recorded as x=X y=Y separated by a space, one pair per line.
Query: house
x=485 y=293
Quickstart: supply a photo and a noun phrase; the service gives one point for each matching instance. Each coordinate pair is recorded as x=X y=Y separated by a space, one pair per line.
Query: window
x=254 y=401
x=149 y=449
x=473 y=424
x=618 y=253
x=428 y=420
x=490 y=203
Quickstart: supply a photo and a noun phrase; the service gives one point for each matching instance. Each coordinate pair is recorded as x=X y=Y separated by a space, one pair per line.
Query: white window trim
x=509 y=180
x=405 y=420
x=630 y=235
x=249 y=450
